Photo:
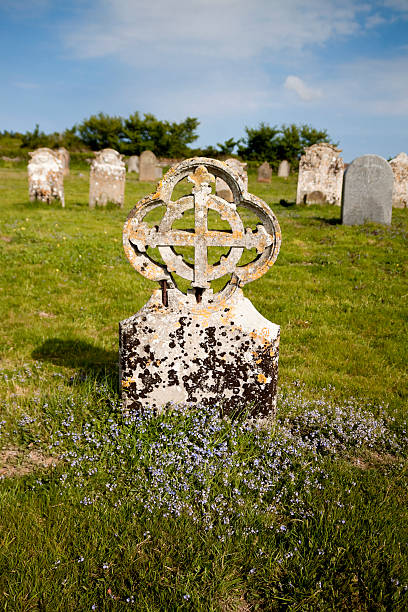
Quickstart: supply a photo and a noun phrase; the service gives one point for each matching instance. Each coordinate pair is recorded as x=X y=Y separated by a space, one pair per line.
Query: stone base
x=219 y=351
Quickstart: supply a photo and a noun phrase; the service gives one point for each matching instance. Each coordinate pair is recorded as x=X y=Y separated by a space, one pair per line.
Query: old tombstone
x=200 y=346
x=399 y=167
x=45 y=176
x=367 y=191
x=133 y=163
x=320 y=175
x=284 y=169
x=64 y=157
x=264 y=173
x=159 y=172
x=107 y=179
x=148 y=166
x=221 y=187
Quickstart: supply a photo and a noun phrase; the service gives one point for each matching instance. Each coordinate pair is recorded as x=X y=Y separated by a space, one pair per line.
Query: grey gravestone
x=284 y=169
x=45 y=176
x=367 y=191
x=221 y=188
x=107 y=179
x=148 y=166
x=264 y=173
x=200 y=346
x=399 y=167
x=133 y=164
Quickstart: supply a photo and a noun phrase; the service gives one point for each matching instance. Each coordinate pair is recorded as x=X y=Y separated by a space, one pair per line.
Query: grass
x=187 y=510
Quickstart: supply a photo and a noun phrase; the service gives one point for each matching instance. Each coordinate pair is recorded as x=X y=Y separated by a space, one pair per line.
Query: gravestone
x=264 y=173
x=159 y=172
x=367 y=191
x=399 y=166
x=148 y=167
x=284 y=169
x=200 y=346
x=107 y=179
x=45 y=176
x=320 y=175
x=64 y=157
x=133 y=163
x=221 y=187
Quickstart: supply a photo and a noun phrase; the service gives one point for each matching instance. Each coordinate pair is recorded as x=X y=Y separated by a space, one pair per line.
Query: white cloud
x=304 y=92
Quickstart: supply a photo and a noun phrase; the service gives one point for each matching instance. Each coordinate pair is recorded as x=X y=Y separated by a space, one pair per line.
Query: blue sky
x=341 y=65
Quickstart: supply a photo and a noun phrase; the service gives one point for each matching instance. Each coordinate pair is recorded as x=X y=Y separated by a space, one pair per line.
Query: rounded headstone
x=367 y=191
x=284 y=169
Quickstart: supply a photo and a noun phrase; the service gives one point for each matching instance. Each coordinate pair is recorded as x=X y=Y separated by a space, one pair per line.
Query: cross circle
x=138 y=236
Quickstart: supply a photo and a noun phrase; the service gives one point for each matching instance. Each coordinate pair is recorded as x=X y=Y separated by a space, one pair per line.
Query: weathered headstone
x=399 y=167
x=202 y=347
x=221 y=187
x=320 y=175
x=45 y=176
x=264 y=173
x=148 y=166
x=107 y=179
x=284 y=169
x=367 y=191
x=64 y=157
x=133 y=163
x=159 y=172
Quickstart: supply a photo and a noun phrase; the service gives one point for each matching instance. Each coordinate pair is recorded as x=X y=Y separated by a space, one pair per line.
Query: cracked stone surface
x=320 y=175
x=45 y=176
x=399 y=167
x=107 y=179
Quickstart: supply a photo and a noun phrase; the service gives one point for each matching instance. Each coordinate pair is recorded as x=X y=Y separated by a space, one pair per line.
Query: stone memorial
x=200 y=346
x=399 y=167
x=133 y=163
x=367 y=191
x=45 y=176
x=221 y=187
x=148 y=167
x=284 y=169
x=64 y=157
x=264 y=173
x=320 y=175
x=107 y=179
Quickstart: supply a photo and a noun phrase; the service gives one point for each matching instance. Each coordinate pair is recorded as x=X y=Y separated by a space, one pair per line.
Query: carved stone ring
x=138 y=235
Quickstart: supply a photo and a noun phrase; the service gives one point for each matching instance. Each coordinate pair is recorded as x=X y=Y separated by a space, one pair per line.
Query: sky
x=339 y=65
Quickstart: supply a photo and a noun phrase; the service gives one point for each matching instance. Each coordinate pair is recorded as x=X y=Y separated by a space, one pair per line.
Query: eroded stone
x=45 y=176
x=320 y=175
x=264 y=173
x=148 y=168
x=221 y=187
x=284 y=169
x=399 y=166
x=133 y=163
x=107 y=179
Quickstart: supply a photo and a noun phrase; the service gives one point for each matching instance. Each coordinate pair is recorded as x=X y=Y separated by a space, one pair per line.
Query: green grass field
x=187 y=510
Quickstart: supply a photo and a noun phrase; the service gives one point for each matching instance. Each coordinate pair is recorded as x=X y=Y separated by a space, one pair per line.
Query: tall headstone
x=200 y=346
x=64 y=157
x=320 y=175
x=148 y=166
x=107 y=179
x=221 y=187
x=284 y=169
x=133 y=163
x=264 y=173
x=367 y=191
x=45 y=176
x=399 y=167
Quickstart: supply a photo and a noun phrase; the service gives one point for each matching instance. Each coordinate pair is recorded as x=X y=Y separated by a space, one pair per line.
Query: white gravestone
x=399 y=167
x=133 y=164
x=107 y=179
x=320 y=175
x=45 y=176
x=64 y=157
x=284 y=169
x=200 y=347
x=367 y=191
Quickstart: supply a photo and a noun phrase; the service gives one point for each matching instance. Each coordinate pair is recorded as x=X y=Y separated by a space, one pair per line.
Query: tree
x=101 y=131
x=227 y=148
x=260 y=143
x=164 y=138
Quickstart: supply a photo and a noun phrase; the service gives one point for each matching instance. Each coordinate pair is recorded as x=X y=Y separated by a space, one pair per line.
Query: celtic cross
x=201 y=172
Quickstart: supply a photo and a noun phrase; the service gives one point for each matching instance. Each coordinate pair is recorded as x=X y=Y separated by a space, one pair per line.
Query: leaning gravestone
x=107 y=179
x=399 y=167
x=148 y=166
x=221 y=187
x=200 y=346
x=320 y=175
x=45 y=176
x=64 y=157
x=284 y=169
x=367 y=191
x=133 y=163
x=264 y=173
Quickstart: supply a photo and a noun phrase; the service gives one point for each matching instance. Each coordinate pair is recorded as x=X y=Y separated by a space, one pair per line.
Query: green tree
x=260 y=143
x=101 y=131
x=164 y=138
x=227 y=148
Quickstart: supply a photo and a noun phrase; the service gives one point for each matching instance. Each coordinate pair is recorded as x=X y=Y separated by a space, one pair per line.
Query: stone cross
x=320 y=175
x=201 y=346
x=107 y=179
x=45 y=176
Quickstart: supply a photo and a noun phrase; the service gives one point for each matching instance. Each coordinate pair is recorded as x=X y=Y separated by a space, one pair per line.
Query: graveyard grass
x=187 y=510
